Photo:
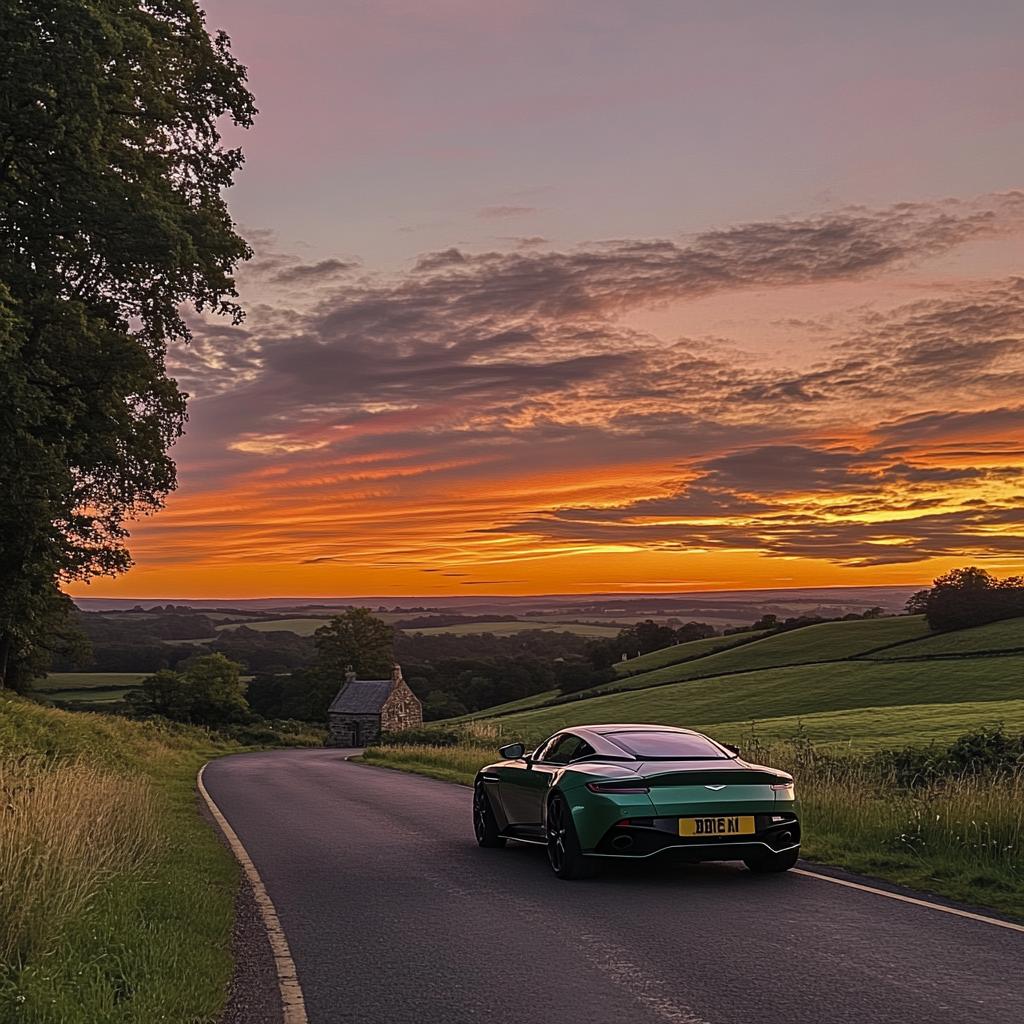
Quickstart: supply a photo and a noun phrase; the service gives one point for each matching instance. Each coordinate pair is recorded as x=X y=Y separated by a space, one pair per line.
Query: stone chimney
x=396 y=675
x=350 y=675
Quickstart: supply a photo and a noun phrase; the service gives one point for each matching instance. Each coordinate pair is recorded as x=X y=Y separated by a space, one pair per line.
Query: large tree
x=971 y=597
x=210 y=692
x=355 y=640
x=111 y=219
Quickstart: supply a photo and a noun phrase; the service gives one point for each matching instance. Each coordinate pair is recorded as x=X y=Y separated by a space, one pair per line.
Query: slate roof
x=361 y=697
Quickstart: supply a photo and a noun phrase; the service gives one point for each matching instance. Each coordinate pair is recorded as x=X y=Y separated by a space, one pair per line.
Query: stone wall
x=352 y=730
x=402 y=709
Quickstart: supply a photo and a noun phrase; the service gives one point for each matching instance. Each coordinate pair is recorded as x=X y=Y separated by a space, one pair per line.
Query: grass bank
x=910 y=816
x=116 y=900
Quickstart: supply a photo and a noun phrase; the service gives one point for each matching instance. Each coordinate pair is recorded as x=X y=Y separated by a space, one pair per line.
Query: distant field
x=91 y=680
x=97 y=696
x=881 y=728
x=511 y=628
x=1007 y=635
x=793 y=690
x=304 y=627
x=681 y=652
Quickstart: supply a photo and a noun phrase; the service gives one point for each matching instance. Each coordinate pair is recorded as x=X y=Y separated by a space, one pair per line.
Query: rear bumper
x=661 y=838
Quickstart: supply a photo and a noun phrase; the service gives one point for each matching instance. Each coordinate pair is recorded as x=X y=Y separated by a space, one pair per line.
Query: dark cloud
x=507 y=211
x=779 y=533
x=307 y=273
x=785 y=468
x=525 y=242
x=607 y=278
x=768 y=498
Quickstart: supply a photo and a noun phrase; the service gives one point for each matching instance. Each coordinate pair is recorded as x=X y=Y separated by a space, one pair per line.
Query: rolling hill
x=871 y=682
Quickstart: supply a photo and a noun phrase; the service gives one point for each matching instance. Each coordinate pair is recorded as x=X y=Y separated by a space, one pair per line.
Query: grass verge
x=116 y=900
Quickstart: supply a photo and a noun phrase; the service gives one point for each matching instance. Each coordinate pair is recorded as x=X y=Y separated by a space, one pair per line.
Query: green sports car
x=635 y=791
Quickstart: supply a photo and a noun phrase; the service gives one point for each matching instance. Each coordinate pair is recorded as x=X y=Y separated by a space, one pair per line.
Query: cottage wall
x=364 y=707
x=352 y=730
x=402 y=709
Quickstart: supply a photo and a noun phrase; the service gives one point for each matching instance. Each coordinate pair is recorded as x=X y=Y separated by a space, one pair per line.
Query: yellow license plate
x=718 y=826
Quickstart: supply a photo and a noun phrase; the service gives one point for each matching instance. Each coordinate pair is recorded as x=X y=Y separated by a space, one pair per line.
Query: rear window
x=675 y=746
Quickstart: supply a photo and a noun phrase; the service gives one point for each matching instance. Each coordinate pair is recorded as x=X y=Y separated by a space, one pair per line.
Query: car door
x=524 y=790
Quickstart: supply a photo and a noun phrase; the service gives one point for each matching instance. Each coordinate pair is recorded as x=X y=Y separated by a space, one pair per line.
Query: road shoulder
x=254 y=994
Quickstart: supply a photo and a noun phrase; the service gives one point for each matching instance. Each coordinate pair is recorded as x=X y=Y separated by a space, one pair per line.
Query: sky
x=609 y=296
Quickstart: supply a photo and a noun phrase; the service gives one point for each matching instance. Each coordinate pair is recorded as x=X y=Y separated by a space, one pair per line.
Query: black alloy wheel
x=563 y=844
x=485 y=825
x=772 y=862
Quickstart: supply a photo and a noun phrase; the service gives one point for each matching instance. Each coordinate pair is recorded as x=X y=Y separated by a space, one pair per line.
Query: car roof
x=605 y=730
x=600 y=736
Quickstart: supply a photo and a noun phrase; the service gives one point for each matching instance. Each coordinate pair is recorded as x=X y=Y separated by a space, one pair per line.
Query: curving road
x=395 y=916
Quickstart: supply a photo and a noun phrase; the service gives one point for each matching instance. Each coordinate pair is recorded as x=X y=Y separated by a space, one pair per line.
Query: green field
x=511 y=628
x=1007 y=635
x=787 y=691
x=879 y=728
x=689 y=651
x=304 y=627
x=96 y=696
x=828 y=641
x=87 y=680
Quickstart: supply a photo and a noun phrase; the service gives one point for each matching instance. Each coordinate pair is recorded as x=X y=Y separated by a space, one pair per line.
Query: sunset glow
x=723 y=395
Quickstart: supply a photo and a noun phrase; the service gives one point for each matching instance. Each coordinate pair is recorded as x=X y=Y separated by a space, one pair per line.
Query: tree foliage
x=209 y=693
x=111 y=218
x=971 y=597
x=643 y=638
x=355 y=640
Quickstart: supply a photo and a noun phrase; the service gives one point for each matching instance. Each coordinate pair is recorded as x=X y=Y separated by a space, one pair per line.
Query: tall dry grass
x=65 y=828
x=967 y=823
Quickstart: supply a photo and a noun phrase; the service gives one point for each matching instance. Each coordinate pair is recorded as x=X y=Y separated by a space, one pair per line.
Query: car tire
x=773 y=862
x=567 y=861
x=485 y=824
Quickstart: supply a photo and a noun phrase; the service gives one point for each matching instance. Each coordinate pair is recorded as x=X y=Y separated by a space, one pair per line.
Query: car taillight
x=617 y=787
x=783 y=785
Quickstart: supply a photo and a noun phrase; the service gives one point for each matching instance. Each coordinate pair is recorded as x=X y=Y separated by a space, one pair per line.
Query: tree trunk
x=5 y=653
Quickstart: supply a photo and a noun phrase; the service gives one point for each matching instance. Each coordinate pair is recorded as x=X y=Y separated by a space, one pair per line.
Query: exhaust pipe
x=622 y=842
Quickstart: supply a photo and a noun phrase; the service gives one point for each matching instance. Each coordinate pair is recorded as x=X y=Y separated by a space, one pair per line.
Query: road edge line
x=910 y=899
x=292 y=1002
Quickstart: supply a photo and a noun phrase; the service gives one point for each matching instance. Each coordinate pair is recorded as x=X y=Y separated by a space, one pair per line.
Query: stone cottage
x=365 y=707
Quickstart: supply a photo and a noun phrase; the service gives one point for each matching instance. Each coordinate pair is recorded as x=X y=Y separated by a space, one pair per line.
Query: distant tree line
x=968 y=597
x=644 y=638
x=151 y=642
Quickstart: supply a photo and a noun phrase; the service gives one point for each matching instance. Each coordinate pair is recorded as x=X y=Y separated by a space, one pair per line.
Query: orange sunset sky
x=609 y=296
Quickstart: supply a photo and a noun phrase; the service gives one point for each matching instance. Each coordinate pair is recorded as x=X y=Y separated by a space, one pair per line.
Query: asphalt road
x=395 y=916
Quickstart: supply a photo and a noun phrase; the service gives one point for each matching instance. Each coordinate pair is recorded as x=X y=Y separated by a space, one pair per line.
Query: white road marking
x=644 y=988
x=610 y=959
x=910 y=899
x=291 y=994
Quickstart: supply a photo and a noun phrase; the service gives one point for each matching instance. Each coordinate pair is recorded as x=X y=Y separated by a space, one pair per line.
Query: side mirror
x=512 y=751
